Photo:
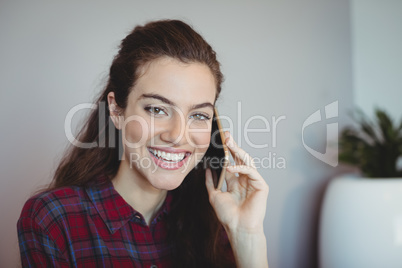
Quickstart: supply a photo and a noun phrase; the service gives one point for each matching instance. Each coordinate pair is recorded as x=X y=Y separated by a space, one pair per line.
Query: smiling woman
x=171 y=97
x=153 y=204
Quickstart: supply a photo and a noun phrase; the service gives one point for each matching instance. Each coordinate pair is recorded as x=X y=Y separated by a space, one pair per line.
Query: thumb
x=209 y=182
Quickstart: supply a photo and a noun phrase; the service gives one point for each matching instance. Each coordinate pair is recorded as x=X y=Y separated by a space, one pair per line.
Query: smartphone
x=217 y=155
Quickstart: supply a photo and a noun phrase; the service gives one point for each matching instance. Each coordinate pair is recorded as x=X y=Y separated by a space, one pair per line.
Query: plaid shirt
x=91 y=227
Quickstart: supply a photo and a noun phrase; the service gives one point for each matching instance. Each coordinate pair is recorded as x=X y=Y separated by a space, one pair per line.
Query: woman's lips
x=169 y=159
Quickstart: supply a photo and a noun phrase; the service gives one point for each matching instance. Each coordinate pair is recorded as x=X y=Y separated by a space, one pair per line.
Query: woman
x=154 y=204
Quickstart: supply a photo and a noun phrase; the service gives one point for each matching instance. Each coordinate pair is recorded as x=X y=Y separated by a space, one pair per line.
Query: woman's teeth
x=168 y=156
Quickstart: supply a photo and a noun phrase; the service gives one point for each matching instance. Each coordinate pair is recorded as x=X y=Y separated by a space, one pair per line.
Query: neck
x=138 y=192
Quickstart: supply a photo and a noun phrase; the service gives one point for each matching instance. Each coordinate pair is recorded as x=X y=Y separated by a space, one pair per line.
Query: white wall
x=377 y=55
x=280 y=58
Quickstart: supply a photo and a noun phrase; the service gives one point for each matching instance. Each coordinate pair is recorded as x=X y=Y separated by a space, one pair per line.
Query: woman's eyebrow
x=167 y=101
x=158 y=97
x=202 y=105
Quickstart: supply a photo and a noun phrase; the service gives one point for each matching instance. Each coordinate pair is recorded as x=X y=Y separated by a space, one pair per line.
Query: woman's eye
x=200 y=117
x=155 y=110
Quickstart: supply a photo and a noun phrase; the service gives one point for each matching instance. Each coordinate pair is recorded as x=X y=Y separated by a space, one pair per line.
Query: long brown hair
x=192 y=225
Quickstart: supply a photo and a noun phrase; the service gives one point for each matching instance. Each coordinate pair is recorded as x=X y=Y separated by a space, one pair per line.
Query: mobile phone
x=217 y=153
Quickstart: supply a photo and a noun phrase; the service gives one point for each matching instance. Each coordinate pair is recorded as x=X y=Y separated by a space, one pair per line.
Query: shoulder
x=52 y=205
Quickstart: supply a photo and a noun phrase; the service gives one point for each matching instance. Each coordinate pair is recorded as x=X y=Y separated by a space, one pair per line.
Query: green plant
x=374 y=147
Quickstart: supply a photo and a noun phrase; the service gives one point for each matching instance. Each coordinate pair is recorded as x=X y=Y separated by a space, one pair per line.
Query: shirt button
x=153 y=266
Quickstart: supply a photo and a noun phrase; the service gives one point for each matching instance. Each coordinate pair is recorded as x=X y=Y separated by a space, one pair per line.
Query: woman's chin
x=166 y=183
x=166 y=186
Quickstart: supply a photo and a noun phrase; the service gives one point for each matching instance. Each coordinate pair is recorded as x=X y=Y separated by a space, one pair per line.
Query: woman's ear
x=116 y=113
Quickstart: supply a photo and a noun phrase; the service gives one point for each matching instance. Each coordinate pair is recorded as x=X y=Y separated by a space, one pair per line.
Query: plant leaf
x=386 y=126
x=374 y=146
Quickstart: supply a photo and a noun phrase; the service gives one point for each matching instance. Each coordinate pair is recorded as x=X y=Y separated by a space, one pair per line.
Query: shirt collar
x=113 y=209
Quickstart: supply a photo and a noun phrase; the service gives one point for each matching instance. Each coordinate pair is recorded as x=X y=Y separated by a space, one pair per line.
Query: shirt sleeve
x=37 y=249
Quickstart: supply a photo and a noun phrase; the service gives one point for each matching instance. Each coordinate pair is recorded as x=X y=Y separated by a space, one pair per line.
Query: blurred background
x=281 y=59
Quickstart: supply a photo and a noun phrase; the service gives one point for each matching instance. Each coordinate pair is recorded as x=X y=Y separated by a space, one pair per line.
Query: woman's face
x=168 y=121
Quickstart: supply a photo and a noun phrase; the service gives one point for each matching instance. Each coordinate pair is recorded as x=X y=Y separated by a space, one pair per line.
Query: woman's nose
x=175 y=131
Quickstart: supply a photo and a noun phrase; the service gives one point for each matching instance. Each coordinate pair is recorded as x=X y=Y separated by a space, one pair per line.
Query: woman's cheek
x=201 y=141
x=136 y=131
x=199 y=135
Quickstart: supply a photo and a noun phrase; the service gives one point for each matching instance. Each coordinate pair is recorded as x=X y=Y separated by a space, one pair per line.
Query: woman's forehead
x=177 y=81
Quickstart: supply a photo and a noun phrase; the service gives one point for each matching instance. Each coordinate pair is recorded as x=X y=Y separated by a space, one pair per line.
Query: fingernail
x=230 y=142
x=227 y=142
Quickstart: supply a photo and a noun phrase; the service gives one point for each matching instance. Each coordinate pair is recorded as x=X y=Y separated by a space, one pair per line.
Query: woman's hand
x=242 y=207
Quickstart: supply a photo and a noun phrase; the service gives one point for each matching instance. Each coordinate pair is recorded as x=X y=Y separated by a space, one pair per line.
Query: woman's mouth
x=168 y=160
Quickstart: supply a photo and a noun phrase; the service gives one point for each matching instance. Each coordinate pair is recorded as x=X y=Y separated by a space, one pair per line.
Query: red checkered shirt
x=91 y=227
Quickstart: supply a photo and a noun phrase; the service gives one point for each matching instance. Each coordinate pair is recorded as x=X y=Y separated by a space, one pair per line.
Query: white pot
x=361 y=223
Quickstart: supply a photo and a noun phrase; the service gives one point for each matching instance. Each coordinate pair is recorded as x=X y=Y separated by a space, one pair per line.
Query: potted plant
x=375 y=147
x=361 y=216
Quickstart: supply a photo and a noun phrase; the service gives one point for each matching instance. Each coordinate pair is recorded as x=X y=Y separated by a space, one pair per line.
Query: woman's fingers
x=251 y=172
x=239 y=155
x=253 y=175
x=209 y=183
